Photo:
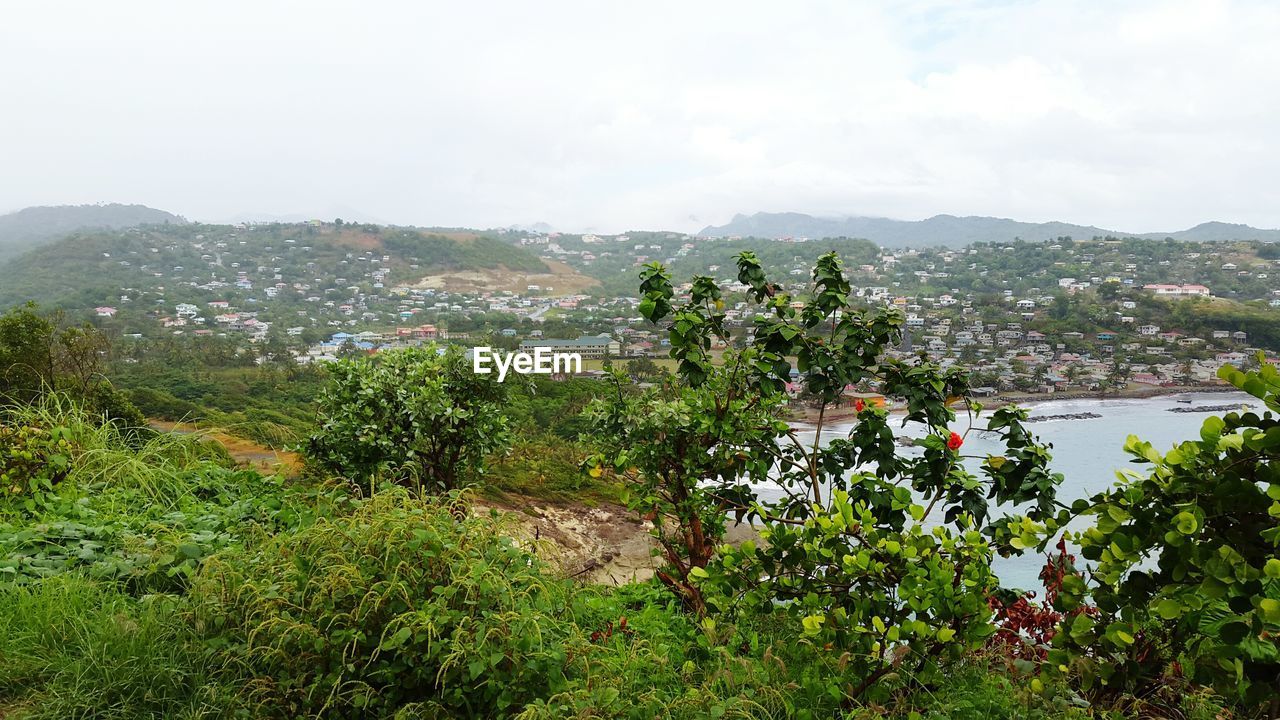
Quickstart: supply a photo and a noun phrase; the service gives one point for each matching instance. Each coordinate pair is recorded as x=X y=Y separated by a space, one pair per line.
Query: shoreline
x=809 y=416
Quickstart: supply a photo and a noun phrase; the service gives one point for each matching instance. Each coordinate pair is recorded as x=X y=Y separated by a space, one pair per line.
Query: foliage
x=74 y=648
x=402 y=604
x=145 y=513
x=116 y=533
x=417 y=416
x=685 y=453
x=39 y=354
x=32 y=458
x=287 y=600
x=548 y=469
x=1187 y=574
x=847 y=554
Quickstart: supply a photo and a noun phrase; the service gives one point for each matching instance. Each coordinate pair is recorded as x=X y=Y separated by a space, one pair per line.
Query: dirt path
x=245 y=452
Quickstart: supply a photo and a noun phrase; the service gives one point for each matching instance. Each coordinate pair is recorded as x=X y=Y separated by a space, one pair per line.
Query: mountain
x=34 y=226
x=952 y=231
x=1211 y=231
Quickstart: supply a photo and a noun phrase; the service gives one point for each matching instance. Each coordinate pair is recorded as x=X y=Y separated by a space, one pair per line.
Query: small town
x=1107 y=327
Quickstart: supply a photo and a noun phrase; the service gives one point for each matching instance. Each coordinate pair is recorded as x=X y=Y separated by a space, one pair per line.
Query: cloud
x=1142 y=115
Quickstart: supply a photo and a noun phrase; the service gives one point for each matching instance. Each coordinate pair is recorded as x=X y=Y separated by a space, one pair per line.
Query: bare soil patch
x=560 y=280
x=607 y=544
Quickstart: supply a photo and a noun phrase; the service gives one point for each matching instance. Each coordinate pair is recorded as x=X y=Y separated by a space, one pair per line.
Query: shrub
x=32 y=458
x=1188 y=574
x=403 y=605
x=416 y=416
x=852 y=555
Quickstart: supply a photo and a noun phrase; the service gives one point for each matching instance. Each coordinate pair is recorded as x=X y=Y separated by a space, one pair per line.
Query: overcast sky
x=1138 y=116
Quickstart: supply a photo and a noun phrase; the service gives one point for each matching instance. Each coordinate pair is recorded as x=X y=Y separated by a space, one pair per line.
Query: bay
x=1088 y=452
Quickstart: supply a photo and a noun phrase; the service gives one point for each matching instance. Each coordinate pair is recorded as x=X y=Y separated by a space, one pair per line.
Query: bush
x=416 y=416
x=1187 y=578
x=163 y=405
x=32 y=458
x=405 y=604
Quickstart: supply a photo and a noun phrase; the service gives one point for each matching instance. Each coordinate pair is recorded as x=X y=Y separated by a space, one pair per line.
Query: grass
x=75 y=648
x=105 y=455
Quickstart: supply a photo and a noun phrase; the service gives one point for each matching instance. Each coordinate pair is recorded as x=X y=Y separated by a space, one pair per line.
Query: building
x=1177 y=290
x=588 y=347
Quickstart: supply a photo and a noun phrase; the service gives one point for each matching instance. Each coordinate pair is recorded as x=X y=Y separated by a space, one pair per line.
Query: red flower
x=955 y=441
x=858 y=404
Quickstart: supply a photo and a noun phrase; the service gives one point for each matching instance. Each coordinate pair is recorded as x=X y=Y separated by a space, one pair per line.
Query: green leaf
x=396 y=640
x=813 y=624
x=1270 y=608
x=1169 y=609
x=1186 y=523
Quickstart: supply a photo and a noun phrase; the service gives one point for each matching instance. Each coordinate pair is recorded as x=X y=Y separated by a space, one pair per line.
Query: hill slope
x=33 y=226
x=274 y=266
x=953 y=231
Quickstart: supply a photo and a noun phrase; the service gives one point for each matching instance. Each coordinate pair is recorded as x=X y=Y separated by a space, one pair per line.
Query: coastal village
x=246 y=281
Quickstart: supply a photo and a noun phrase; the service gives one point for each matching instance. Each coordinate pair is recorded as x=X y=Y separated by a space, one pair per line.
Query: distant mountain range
x=34 y=226
x=953 y=231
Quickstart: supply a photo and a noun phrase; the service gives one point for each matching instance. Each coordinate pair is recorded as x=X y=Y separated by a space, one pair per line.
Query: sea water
x=1087 y=452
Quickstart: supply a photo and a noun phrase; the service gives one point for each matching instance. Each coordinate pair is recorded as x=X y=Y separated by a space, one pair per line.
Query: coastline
x=809 y=416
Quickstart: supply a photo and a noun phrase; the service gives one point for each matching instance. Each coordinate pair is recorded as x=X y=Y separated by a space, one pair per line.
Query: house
x=869 y=399
x=105 y=311
x=1148 y=329
x=1164 y=290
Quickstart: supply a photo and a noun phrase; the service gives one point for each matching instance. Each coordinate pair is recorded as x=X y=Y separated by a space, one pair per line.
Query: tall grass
x=74 y=648
x=159 y=465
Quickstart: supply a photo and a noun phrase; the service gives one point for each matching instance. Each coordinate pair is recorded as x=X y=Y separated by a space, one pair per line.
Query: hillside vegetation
x=30 y=227
x=197 y=263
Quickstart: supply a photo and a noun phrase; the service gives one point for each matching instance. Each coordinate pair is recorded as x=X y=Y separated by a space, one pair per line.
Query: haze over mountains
x=953 y=231
x=34 y=226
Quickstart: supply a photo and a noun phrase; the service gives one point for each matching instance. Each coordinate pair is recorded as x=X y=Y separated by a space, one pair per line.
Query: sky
x=610 y=116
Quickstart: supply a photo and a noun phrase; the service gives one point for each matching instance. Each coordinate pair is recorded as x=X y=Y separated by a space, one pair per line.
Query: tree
x=852 y=553
x=643 y=369
x=686 y=453
x=39 y=355
x=417 y=417
x=26 y=353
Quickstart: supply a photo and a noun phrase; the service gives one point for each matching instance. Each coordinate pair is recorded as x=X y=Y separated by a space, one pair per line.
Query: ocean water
x=1088 y=452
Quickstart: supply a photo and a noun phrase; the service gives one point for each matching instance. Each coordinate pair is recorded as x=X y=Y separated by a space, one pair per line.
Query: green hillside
x=198 y=263
x=34 y=226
